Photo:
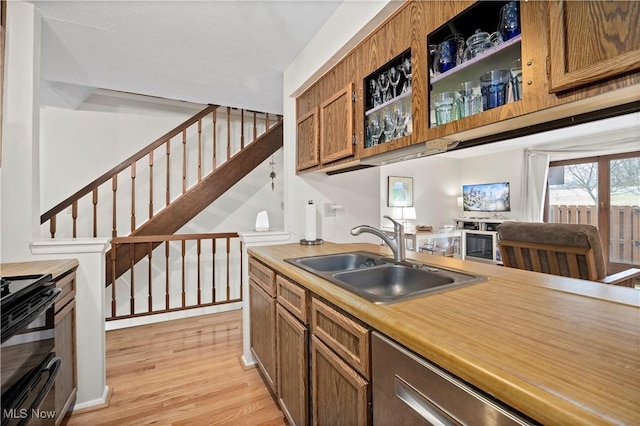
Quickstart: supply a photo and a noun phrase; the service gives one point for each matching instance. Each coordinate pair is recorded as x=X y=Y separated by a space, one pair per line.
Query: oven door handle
x=51 y=367
x=11 y=325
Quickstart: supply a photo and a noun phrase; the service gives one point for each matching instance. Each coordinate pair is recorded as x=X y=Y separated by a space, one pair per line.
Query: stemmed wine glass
x=405 y=67
x=394 y=79
x=383 y=82
x=389 y=120
x=374 y=129
x=375 y=92
x=401 y=118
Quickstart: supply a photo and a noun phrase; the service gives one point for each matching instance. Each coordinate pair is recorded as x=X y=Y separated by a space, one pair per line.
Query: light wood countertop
x=560 y=350
x=53 y=267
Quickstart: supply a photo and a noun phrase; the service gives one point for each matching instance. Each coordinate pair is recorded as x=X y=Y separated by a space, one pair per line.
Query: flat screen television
x=486 y=197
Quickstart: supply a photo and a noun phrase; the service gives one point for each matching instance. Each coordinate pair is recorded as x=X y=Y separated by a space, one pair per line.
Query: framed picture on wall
x=400 y=192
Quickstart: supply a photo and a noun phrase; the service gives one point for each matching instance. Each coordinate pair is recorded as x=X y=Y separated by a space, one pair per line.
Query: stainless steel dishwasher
x=408 y=390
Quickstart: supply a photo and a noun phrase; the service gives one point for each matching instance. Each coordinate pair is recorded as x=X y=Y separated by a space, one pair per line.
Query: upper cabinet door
x=307 y=145
x=591 y=41
x=336 y=126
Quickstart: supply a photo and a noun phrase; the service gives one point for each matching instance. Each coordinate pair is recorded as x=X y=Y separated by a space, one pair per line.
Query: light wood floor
x=182 y=372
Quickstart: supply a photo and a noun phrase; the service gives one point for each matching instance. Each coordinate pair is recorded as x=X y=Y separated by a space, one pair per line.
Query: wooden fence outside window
x=624 y=228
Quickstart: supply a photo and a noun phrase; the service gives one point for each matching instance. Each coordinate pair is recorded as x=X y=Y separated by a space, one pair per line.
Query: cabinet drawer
x=343 y=335
x=293 y=297
x=68 y=286
x=263 y=276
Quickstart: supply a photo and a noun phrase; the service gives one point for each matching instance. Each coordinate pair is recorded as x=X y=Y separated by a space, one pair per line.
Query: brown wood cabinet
x=262 y=307
x=293 y=367
x=336 y=125
x=325 y=131
x=326 y=382
x=308 y=140
x=340 y=396
x=340 y=367
x=293 y=350
x=344 y=336
x=562 y=78
x=66 y=383
x=591 y=41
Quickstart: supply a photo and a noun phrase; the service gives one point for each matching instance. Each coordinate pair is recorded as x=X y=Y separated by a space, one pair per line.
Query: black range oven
x=29 y=363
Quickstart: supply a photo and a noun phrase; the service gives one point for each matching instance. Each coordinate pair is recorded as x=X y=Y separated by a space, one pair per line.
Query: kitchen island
x=559 y=350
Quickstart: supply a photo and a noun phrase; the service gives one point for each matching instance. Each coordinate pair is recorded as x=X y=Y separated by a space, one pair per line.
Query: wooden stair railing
x=210 y=163
x=190 y=143
x=167 y=285
x=192 y=202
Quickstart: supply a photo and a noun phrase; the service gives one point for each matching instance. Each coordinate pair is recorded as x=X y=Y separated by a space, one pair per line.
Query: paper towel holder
x=310 y=226
x=315 y=242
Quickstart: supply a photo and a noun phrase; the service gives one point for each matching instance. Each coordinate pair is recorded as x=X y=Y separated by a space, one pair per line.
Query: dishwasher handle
x=421 y=404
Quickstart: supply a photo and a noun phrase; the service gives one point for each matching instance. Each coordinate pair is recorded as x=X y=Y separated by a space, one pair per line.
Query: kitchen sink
x=340 y=261
x=381 y=280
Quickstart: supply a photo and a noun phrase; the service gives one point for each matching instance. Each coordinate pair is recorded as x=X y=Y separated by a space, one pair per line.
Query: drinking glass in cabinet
x=444 y=106
x=468 y=99
x=374 y=89
x=433 y=50
x=374 y=130
x=509 y=20
x=383 y=83
x=445 y=56
x=404 y=125
x=405 y=67
x=493 y=86
x=394 y=79
x=389 y=121
x=515 y=70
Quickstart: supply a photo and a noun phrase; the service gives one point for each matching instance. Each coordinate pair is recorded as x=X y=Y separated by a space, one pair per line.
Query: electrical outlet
x=328 y=210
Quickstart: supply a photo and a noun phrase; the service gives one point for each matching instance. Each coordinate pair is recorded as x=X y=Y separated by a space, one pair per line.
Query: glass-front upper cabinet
x=475 y=62
x=387 y=92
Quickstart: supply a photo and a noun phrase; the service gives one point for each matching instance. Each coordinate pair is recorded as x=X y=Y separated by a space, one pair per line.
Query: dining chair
x=570 y=250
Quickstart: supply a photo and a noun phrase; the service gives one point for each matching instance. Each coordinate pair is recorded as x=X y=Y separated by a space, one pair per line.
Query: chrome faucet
x=395 y=243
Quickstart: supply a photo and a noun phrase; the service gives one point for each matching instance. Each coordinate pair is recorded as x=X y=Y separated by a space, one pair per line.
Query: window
x=601 y=191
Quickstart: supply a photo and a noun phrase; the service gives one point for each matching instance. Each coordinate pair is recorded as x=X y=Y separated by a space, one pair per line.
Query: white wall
x=357 y=192
x=436 y=183
x=82 y=144
x=20 y=138
x=499 y=167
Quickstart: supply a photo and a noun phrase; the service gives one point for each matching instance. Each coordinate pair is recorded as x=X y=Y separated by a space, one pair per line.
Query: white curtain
x=535 y=168
x=534 y=184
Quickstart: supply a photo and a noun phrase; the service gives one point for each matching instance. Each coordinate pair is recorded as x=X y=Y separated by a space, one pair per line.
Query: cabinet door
x=308 y=140
x=65 y=347
x=340 y=396
x=263 y=328
x=343 y=335
x=293 y=367
x=592 y=40
x=336 y=126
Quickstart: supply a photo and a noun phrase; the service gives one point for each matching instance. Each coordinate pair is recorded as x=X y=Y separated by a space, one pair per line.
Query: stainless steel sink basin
x=379 y=279
x=339 y=261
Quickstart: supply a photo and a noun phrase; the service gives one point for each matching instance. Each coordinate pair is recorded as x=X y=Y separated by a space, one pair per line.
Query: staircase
x=220 y=162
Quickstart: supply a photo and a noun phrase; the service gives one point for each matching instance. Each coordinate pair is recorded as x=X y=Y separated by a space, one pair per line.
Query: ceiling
x=229 y=52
